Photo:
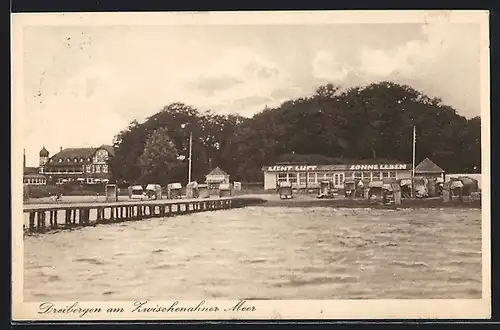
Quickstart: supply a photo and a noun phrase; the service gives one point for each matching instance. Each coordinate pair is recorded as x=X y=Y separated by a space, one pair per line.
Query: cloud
x=442 y=63
x=86 y=94
x=325 y=66
x=212 y=85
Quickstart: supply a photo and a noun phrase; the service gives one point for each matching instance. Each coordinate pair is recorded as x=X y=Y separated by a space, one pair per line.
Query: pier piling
x=84 y=214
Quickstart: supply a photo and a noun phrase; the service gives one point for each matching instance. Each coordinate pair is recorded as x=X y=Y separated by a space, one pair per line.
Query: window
x=98 y=169
x=82 y=160
x=89 y=159
x=366 y=175
x=104 y=168
x=329 y=176
x=392 y=175
x=60 y=160
x=357 y=176
x=282 y=177
x=338 y=179
x=101 y=155
x=303 y=178
x=385 y=175
x=89 y=168
x=312 y=177
x=75 y=160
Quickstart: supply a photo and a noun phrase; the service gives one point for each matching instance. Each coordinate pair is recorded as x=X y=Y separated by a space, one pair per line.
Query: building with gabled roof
x=216 y=177
x=84 y=165
x=427 y=168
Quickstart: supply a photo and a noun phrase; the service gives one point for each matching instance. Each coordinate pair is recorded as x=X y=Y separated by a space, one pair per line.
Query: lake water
x=263 y=253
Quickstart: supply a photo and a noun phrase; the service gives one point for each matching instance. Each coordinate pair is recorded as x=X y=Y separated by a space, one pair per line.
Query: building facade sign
x=322 y=168
x=291 y=168
x=368 y=167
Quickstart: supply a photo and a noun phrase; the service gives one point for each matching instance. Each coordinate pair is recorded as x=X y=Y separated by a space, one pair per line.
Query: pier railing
x=43 y=218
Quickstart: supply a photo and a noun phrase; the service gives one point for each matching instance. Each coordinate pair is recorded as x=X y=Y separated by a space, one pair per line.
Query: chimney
x=60 y=148
x=24 y=158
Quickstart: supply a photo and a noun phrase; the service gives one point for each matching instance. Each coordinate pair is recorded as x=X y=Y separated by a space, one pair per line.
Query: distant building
x=31 y=175
x=428 y=169
x=216 y=177
x=303 y=176
x=84 y=165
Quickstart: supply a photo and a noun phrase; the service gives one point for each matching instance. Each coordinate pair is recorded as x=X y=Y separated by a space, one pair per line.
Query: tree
x=159 y=157
x=370 y=122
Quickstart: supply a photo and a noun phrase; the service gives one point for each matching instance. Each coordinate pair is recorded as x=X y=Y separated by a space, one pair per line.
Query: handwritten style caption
x=143 y=307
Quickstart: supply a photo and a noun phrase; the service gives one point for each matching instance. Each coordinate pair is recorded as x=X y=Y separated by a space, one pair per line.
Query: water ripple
x=264 y=253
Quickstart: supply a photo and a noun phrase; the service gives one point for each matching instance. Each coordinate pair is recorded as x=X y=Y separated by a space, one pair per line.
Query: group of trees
x=375 y=121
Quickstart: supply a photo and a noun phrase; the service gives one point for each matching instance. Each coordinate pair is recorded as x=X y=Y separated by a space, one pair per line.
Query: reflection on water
x=263 y=253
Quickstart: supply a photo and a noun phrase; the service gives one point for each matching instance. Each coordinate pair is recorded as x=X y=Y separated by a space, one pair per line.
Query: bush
x=67 y=189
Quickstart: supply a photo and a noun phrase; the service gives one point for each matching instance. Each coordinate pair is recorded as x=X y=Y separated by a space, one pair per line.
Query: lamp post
x=190 y=151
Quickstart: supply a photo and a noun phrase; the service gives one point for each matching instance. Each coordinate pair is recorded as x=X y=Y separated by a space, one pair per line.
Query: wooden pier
x=46 y=217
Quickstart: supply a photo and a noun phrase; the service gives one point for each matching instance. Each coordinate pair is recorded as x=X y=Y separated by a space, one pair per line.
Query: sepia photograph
x=244 y=165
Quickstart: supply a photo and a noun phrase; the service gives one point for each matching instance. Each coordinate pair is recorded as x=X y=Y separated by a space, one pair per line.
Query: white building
x=310 y=176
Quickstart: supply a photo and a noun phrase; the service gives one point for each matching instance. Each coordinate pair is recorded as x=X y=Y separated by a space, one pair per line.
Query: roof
x=44 y=152
x=217 y=171
x=79 y=153
x=109 y=148
x=428 y=166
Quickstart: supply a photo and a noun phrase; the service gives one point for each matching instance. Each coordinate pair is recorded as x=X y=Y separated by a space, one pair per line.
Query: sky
x=83 y=84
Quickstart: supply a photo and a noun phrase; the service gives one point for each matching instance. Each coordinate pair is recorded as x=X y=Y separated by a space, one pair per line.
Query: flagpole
x=190 y=155
x=413 y=164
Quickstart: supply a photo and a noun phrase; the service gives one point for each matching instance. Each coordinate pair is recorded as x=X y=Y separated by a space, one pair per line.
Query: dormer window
x=82 y=160
x=75 y=160
x=68 y=160
x=89 y=159
x=60 y=160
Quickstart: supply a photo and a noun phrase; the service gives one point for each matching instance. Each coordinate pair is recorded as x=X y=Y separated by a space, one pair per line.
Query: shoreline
x=363 y=203
x=273 y=200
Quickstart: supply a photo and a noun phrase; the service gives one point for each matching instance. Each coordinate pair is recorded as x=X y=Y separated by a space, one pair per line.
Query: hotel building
x=83 y=165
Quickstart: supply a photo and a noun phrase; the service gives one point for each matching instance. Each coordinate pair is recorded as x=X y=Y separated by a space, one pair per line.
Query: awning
x=192 y=185
x=174 y=185
x=456 y=184
x=387 y=186
x=376 y=184
x=405 y=182
x=467 y=181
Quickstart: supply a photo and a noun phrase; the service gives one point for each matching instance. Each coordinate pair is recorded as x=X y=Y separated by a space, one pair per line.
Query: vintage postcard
x=251 y=165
